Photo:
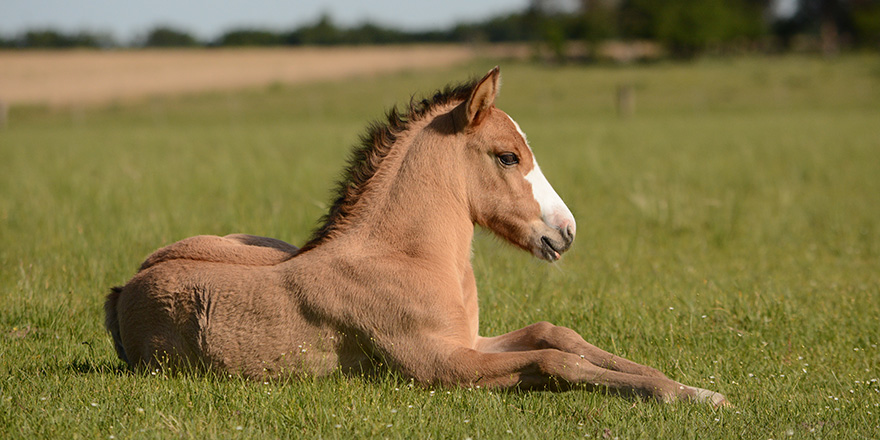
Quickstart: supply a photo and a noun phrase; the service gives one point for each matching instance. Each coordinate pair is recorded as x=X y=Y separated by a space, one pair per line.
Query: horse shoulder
x=243 y=249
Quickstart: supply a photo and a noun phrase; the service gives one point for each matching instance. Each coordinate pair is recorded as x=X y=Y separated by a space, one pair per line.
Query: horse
x=386 y=281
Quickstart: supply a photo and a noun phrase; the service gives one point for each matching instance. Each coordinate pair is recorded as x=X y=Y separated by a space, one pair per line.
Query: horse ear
x=482 y=98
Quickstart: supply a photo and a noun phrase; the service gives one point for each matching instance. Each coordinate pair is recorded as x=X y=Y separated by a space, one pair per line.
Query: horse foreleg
x=544 y=368
x=546 y=335
x=543 y=335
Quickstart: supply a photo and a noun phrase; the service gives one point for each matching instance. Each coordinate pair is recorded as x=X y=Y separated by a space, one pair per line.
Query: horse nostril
x=567 y=235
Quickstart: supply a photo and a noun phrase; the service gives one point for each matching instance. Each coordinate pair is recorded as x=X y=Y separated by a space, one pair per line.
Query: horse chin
x=547 y=254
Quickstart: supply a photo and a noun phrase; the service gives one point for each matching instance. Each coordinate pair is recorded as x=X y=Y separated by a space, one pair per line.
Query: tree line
x=683 y=27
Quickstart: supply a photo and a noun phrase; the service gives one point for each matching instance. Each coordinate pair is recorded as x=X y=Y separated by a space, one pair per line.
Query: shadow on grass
x=89 y=366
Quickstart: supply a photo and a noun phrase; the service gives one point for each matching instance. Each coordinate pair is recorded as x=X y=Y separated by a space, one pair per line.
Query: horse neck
x=415 y=204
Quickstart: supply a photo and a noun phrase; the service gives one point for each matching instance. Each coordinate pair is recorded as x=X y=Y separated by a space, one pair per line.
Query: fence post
x=4 y=114
x=626 y=100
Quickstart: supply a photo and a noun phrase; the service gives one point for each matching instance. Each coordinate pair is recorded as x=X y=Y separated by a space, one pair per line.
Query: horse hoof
x=717 y=400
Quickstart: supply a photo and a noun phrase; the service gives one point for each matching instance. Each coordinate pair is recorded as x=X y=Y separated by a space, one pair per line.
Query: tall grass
x=728 y=234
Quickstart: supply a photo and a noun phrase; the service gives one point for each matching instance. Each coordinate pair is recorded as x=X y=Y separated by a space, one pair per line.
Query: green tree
x=249 y=37
x=323 y=32
x=688 y=27
x=164 y=36
x=866 y=22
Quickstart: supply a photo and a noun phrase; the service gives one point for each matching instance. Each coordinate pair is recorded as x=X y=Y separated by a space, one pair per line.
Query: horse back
x=241 y=249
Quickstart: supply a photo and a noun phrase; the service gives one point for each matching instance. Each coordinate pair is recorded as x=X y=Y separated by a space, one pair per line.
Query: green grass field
x=728 y=234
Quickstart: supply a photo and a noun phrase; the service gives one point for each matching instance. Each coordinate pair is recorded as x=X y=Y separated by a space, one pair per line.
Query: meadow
x=728 y=235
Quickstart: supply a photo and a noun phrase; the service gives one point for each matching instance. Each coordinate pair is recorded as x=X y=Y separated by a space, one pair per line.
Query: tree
x=250 y=37
x=866 y=22
x=323 y=32
x=164 y=36
x=688 y=27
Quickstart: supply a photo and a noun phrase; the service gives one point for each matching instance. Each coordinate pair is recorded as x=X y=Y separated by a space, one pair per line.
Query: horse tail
x=111 y=321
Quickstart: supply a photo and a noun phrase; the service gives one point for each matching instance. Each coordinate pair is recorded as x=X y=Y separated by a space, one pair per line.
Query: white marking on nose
x=554 y=212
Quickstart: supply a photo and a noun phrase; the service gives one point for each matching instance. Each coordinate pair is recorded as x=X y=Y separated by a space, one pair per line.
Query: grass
x=728 y=235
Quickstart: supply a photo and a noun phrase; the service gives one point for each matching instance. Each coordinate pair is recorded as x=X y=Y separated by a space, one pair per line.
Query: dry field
x=73 y=78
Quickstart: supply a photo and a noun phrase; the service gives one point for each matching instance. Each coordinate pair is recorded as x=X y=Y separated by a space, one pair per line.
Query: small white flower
x=139 y=410
x=393 y=411
x=239 y=428
x=337 y=426
x=94 y=404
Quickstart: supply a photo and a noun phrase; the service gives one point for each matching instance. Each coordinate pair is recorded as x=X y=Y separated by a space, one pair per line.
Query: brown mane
x=366 y=158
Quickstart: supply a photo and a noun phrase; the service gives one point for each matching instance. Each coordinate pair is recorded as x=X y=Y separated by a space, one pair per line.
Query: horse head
x=506 y=190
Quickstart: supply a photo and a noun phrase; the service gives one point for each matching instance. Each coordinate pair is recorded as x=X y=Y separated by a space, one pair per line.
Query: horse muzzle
x=551 y=242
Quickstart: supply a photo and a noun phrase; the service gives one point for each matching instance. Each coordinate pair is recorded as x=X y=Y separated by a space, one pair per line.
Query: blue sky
x=127 y=19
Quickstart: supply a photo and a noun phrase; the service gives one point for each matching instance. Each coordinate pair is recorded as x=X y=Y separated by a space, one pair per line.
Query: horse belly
x=225 y=318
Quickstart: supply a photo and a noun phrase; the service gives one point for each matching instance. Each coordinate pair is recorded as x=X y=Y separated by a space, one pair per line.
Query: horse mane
x=366 y=158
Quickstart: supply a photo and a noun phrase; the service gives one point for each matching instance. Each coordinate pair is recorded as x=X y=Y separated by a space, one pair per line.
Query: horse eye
x=508 y=159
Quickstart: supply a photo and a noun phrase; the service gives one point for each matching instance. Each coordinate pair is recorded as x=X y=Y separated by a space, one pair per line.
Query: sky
x=208 y=19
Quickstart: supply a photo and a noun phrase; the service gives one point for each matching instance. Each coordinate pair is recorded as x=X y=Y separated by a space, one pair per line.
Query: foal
x=387 y=277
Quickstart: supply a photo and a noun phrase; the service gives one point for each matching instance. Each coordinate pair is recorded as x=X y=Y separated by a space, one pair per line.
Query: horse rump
x=111 y=321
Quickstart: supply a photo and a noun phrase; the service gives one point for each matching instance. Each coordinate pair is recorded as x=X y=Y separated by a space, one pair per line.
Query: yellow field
x=83 y=77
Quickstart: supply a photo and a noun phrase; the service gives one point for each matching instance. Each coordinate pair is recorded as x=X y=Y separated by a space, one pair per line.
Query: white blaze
x=553 y=209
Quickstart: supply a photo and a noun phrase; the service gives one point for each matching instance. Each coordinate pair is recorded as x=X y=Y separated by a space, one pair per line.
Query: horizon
x=205 y=20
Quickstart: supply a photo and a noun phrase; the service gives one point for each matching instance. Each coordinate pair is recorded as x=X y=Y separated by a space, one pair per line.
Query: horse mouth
x=551 y=248
x=550 y=252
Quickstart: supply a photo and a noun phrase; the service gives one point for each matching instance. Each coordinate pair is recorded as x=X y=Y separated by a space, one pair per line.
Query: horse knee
x=548 y=335
x=542 y=334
